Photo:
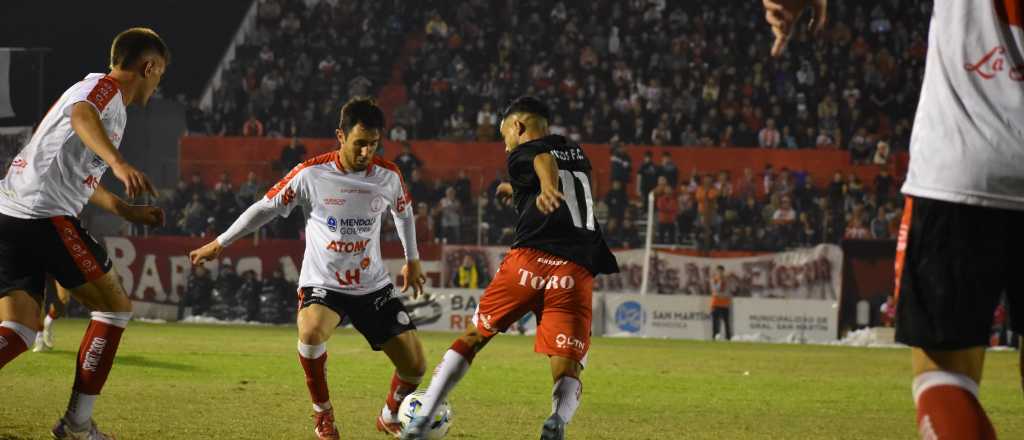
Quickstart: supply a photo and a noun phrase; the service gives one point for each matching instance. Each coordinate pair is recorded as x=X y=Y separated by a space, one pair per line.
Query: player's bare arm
x=142 y=214
x=547 y=172
x=87 y=125
x=783 y=14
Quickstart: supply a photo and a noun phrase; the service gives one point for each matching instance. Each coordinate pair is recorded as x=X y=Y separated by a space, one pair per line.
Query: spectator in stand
x=768 y=179
x=788 y=141
x=248 y=296
x=253 y=127
x=418 y=189
x=398 y=134
x=808 y=234
x=622 y=165
x=451 y=217
x=292 y=154
x=198 y=293
x=667 y=207
x=468 y=275
x=487 y=123
x=409 y=115
x=860 y=147
x=424 y=222
x=617 y=201
x=193 y=217
x=276 y=296
x=661 y=135
x=687 y=215
x=250 y=191
x=463 y=188
x=746 y=186
x=647 y=177
x=612 y=233
x=883 y=185
x=407 y=162
x=706 y=197
x=769 y=136
x=881 y=156
x=668 y=170
x=880 y=225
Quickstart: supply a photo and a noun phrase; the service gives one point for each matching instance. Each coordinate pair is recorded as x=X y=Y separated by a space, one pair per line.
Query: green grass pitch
x=239 y=382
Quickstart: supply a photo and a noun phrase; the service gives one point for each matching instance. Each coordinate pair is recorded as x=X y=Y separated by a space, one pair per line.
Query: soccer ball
x=438 y=427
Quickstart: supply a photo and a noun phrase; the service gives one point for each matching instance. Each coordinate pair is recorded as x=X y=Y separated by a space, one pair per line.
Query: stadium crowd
x=230 y=296
x=761 y=210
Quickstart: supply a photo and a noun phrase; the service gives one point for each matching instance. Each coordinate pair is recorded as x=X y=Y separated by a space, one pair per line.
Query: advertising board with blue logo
x=669 y=316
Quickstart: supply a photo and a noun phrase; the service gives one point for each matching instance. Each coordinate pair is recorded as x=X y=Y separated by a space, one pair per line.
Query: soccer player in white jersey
x=48 y=183
x=960 y=239
x=343 y=195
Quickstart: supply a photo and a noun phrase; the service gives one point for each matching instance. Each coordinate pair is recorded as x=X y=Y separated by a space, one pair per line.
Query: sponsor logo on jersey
x=319 y=292
x=351 y=277
x=348 y=247
x=380 y=301
x=288 y=196
x=528 y=279
x=3 y=342
x=365 y=264
x=91 y=182
x=19 y=163
x=332 y=223
x=566 y=341
x=551 y=262
x=334 y=201
x=354 y=191
x=485 y=320
x=630 y=316
x=115 y=137
x=994 y=63
x=352 y=226
x=377 y=204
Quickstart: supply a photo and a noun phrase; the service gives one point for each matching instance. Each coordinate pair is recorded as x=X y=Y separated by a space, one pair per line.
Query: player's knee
x=313 y=335
x=474 y=339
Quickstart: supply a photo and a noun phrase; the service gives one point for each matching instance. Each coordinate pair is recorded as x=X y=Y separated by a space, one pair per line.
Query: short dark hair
x=130 y=45
x=527 y=104
x=361 y=110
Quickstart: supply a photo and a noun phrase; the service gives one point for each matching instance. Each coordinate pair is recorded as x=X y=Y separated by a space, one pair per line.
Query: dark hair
x=361 y=110
x=130 y=45
x=720 y=267
x=527 y=104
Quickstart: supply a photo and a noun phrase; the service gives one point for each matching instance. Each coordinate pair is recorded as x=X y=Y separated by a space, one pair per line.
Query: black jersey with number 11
x=571 y=232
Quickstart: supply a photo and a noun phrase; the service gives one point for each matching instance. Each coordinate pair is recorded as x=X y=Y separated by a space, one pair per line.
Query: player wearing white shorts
x=960 y=239
x=48 y=183
x=343 y=195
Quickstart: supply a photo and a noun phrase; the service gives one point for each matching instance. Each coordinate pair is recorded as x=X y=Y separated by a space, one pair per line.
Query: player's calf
x=95 y=359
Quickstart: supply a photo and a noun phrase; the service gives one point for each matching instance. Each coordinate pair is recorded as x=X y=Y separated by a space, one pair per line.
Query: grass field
x=237 y=382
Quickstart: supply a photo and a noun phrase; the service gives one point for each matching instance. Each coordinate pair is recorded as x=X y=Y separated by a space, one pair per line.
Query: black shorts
x=379 y=316
x=59 y=246
x=954 y=262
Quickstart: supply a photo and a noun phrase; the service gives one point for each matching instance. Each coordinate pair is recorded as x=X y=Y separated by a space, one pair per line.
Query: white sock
x=80 y=410
x=48 y=324
x=321 y=407
x=565 y=397
x=312 y=351
x=447 y=374
x=27 y=335
x=930 y=379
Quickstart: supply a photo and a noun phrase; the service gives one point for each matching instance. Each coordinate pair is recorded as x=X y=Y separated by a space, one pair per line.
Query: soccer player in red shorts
x=550 y=270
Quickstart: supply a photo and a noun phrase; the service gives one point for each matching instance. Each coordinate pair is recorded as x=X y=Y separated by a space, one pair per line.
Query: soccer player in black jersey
x=550 y=270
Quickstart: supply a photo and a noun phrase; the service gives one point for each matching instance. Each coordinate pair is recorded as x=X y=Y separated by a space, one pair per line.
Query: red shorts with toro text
x=556 y=290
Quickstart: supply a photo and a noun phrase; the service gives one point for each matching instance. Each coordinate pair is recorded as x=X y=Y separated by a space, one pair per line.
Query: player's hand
x=549 y=200
x=782 y=16
x=412 y=272
x=504 y=190
x=135 y=183
x=144 y=214
x=208 y=252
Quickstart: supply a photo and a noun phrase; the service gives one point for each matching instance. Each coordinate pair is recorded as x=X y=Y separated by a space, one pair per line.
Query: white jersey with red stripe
x=55 y=173
x=343 y=212
x=967 y=144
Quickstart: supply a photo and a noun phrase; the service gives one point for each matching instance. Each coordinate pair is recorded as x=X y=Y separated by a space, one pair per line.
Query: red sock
x=400 y=387
x=11 y=345
x=948 y=409
x=316 y=378
x=96 y=356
